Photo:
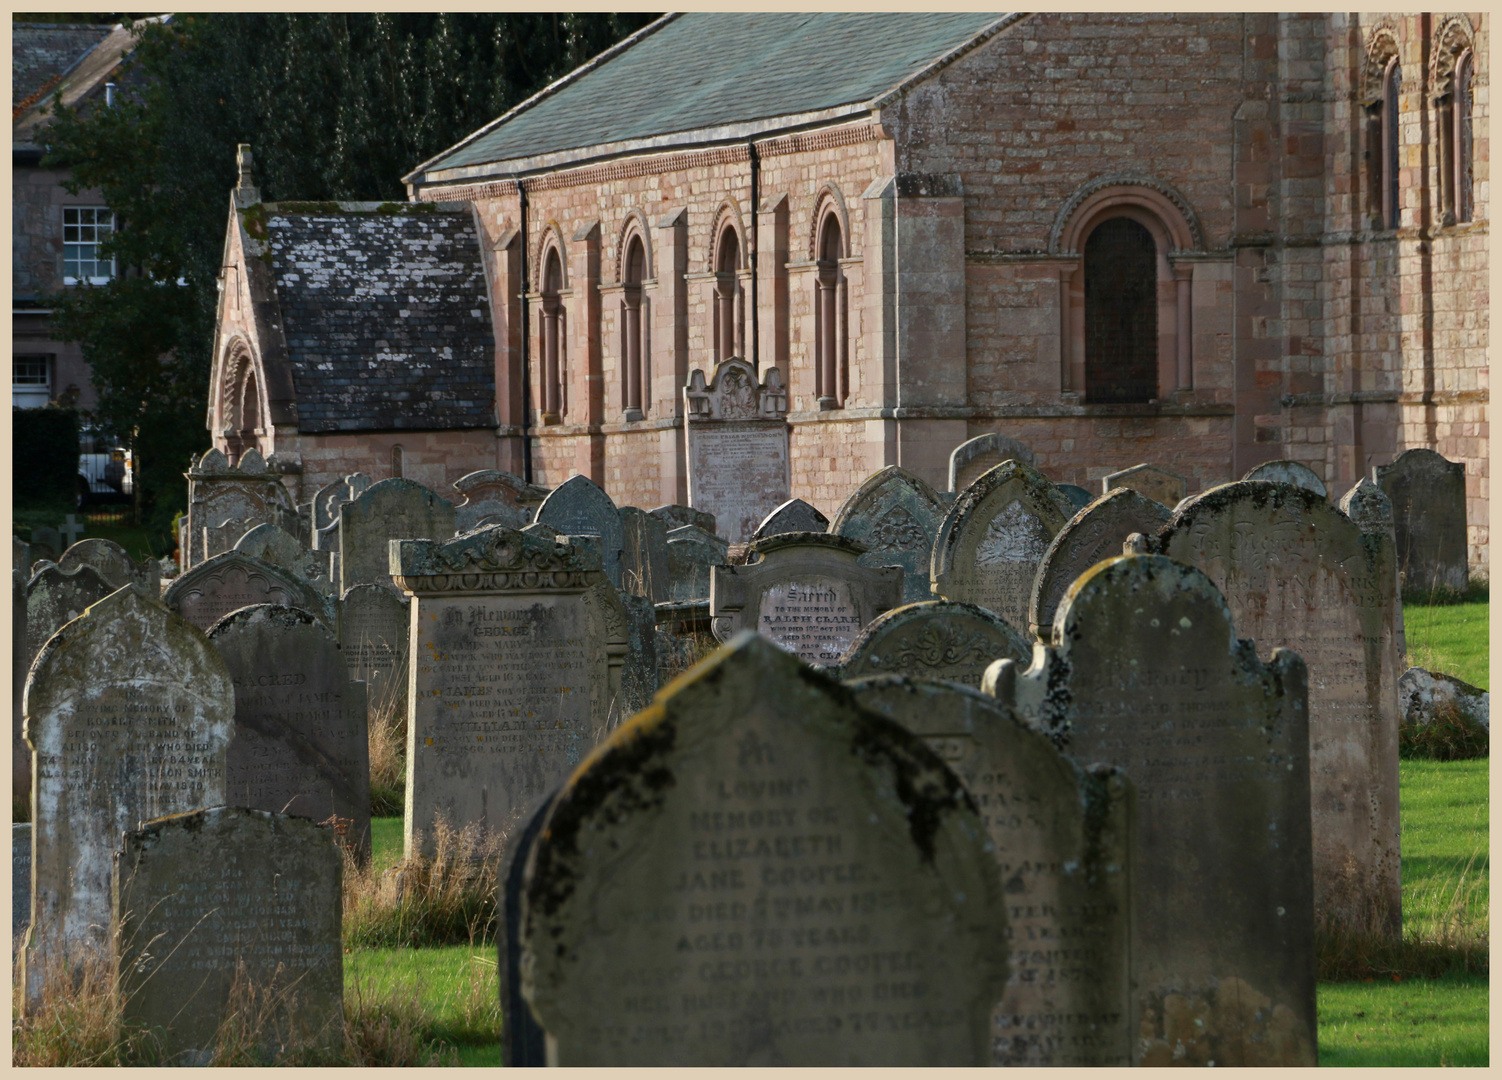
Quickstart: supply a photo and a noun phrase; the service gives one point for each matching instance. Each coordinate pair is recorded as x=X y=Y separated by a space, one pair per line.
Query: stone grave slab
x=493 y=497
x=113 y=564
x=934 y=639
x=1297 y=573
x=795 y=515
x=677 y=515
x=993 y=538
x=739 y=877
x=55 y=596
x=1160 y=485
x=975 y=457
x=1062 y=838
x=392 y=509
x=374 y=627
x=205 y=897
x=1148 y=676
x=644 y=555
x=20 y=880
x=129 y=712
x=301 y=743
x=691 y=553
x=736 y=436
x=1427 y=493
x=1288 y=472
x=896 y=515
x=226 y=501
x=1093 y=534
x=212 y=589
x=516 y=653
x=580 y=507
x=805 y=591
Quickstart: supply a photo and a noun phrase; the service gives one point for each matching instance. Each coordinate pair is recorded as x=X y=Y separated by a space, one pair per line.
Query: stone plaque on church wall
x=393 y=509
x=934 y=639
x=738 y=878
x=212 y=589
x=896 y=515
x=735 y=429
x=1427 y=493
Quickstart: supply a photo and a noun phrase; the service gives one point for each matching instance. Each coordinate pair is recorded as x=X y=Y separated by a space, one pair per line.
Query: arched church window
x=398 y=456
x=1461 y=138
x=636 y=362
x=729 y=322
x=1392 y=84
x=831 y=336
x=1121 y=313
x=553 y=403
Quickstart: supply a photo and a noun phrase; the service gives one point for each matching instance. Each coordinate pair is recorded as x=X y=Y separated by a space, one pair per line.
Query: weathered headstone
x=736 y=434
x=129 y=711
x=934 y=639
x=896 y=515
x=374 y=625
x=114 y=565
x=1062 y=838
x=1288 y=472
x=993 y=538
x=20 y=659
x=46 y=543
x=301 y=743
x=639 y=667
x=230 y=907
x=226 y=501
x=580 y=507
x=1299 y=574
x=1095 y=533
x=212 y=589
x=393 y=509
x=756 y=871
x=1146 y=674
x=1429 y=695
x=978 y=456
x=1160 y=485
x=492 y=497
x=795 y=515
x=644 y=555
x=20 y=555
x=55 y=596
x=20 y=880
x=691 y=553
x=273 y=544
x=1427 y=493
x=805 y=591
x=677 y=515
x=1079 y=497
x=515 y=660
x=330 y=497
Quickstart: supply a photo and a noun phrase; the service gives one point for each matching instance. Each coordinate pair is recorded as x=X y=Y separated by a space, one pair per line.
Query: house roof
x=83 y=77
x=40 y=52
x=705 y=72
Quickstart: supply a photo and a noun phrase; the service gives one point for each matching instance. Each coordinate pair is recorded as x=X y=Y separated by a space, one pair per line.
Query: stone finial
x=245 y=161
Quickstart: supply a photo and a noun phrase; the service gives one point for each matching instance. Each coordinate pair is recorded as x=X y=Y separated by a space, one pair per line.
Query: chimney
x=109 y=95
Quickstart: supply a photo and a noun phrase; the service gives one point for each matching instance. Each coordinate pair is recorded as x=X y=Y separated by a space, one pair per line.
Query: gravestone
x=993 y=538
x=1079 y=497
x=1062 y=838
x=639 y=667
x=301 y=744
x=896 y=515
x=492 y=497
x=1095 y=533
x=736 y=434
x=934 y=639
x=805 y=591
x=46 y=543
x=1288 y=472
x=691 y=553
x=330 y=497
x=644 y=555
x=1427 y=493
x=55 y=596
x=20 y=754
x=20 y=881
x=394 y=509
x=273 y=544
x=1148 y=676
x=212 y=589
x=129 y=711
x=226 y=501
x=579 y=507
x=20 y=555
x=677 y=515
x=756 y=871
x=210 y=903
x=523 y=1042
x=1160 y=485
x=978 y=456
x=795 y=515
x=374 y=624
x=516 y=658
x=113 y=564
x=1299 y=574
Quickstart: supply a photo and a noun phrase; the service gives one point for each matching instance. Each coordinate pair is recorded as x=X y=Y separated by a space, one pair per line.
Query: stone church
x=1203 y=241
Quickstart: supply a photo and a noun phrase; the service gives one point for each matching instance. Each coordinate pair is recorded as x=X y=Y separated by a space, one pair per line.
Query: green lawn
x=1445 y=831
x=1418 y=1022
x=1452 y=638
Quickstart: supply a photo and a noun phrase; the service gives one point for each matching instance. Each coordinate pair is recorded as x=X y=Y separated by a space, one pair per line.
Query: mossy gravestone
x=1062 y=838
x=230 y=913
x=1146 y=674
x=228 y=582
x=896 y=515
x=934 y=639
x=114 y=564
x=55 y=596
x=129 y=712
x=756 y=871
x=580 y=507
x=1427 y=493
x=392 y=509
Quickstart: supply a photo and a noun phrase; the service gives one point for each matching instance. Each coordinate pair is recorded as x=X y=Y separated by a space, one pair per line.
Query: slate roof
x=386 y=319
x=39 y=58
x=40 y=52
x=704 y=70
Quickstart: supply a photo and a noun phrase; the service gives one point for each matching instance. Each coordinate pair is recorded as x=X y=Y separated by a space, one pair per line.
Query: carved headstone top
x=392 y=509
x=896 y=515
x=498 y=498
x=580 y=507
x=1288 y=472
x=979 y=455
x=733 y=392
x=1160 y=485
x=1428 y=496
x=676 y=514
x=330 y=497
x=274 y=545
x=225 y=502
x=495 y=557
x=795 y=515
x=225 y=583
x=934 y=639
x=113 y=563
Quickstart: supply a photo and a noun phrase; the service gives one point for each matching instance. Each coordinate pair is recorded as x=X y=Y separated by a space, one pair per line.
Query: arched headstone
x=114 y=564
x=1288 y=472
x=934 y=639
x=975 y=457
x=580 y=507
x=1428 y=499
x=228 y=582
x=896 y=515
x=392 y=509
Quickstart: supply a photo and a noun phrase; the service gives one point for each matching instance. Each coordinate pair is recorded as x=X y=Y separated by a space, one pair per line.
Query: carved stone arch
x=828 y=201
x=1453 y=38
x=634 y=226
x=1381 y=48
x=727 y=216
x=1177 y=225
x=243 y=404
x=551 y=239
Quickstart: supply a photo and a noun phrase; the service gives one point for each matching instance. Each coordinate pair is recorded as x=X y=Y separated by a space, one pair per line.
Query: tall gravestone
x=691 y=554
x=993 y=538
x=1095 y=533
x=1160 y=485
x=978 y=456
x=896 y=515
x=1146 y=674
x=226 y=501
x=1283 y=471
x=736 y=434
x=580 y=507
x=805 y=591
x=20 y=880
x=644 y=555
x=301 y=744
x=492 y=497
x=114 y=564
x=374 y=628
x=212 y=904
x=677 y=515
x=1062 y=838
x=795 y=515
x=934 y=639
x=214 y=588
x=394 y=509
x=1427 y=493
x=756 y=871
x=129 y=711
x=1299 y=574
x=516 y=652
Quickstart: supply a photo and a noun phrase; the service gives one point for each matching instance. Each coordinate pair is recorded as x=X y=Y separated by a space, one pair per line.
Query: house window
x=831 y=336
x=637 y=363
x=1121 y=313
x=1392 y=83
x=85 y=228
x=31 y=380
x=553 y=403
x=1461 y=138
x=729 y=304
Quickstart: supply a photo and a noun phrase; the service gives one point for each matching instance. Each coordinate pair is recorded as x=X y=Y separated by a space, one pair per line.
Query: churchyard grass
x=1451 y=637
x=1413 y=1022
x=388 y=754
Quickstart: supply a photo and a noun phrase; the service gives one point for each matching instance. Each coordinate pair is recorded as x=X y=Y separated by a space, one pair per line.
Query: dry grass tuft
x=387 y=715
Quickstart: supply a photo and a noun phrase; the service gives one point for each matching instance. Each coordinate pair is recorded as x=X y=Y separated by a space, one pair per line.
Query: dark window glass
x=1121 y=313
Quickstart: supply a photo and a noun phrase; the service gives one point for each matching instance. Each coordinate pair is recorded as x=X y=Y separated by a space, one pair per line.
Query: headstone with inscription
x=20 y=880
x=226 y=501
x=677 y=515
x=691 y=553
x=492 y=497
x=211 y=904
x=795 y=515
x=805 y=591
x=212 y=589
x=934 y=639
x=1062 y=838
x=736 y=434
x=974 y=458
x=129 y=712
x=1288 y=472
x=1428 y=499
x=301 y=741
x=393 y=509
x=896 y=515
x=55 y=596
x=1147 y=675
x=1095 y=533
x=644 y=555
x=113 y=564
x=756 y=871
x=1297 y=573
x=580 y=507
x=1160 y=485
x=516 y=654
x=993 y=538
x=374 y=626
